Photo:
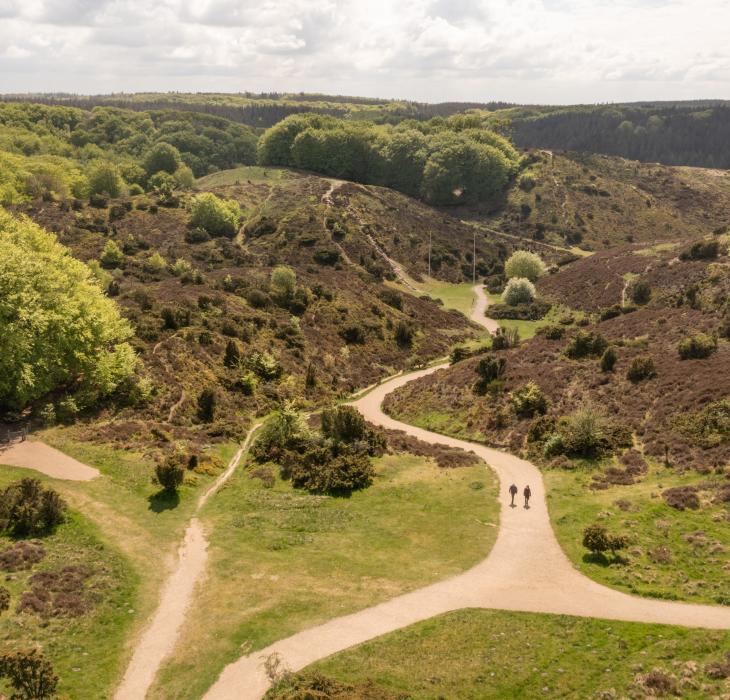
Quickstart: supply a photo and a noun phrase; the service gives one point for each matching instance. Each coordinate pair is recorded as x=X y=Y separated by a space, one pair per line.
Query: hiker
x=527 y=493
x=513 y=493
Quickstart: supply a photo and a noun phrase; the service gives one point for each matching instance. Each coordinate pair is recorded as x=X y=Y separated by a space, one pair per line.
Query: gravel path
x=525 y=571
x=32 y=454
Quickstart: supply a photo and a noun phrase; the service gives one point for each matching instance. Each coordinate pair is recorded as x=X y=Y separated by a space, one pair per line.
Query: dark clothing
x=513 y=493
x=527 y=493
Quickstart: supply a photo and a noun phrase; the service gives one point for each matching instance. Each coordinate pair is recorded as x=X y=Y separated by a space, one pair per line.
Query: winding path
x=525 y=571
x=159 y=638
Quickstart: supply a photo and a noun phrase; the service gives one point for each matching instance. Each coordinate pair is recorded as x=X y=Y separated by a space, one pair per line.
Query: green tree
x=523 y=263
x=104 y=178
x=162 y=157
x=519 y=290
x=27 y=508
x=219 y=217
x=30 y=674
x=207 y=404
x=283 y=283
x=68 y=332
x=111 y=255
x=170 y=472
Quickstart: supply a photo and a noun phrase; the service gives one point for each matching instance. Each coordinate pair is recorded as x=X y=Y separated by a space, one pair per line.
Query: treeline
x=444 y=161
x=57 y=151
x=695 y=135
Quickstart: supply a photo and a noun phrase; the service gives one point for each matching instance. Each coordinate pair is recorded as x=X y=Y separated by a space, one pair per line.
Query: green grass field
x=282 y=560
x=253 y=173
x=487 y=654
x=673 y=554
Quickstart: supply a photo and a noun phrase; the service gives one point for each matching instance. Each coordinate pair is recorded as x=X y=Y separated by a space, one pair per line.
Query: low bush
x=216 y=216
x=533 y=311
x=529 y=401
x=4 y=600
x=323 y=470
x=170 y=472
x=640 y=292
x=505 y=338
x=585 y=344
x=352 y=335
x=697 y=346
x=403 y=334
x=552 y=332
x=682 y=497
x=22 y=555
x=490 y=369
x=640 y=369
x=598 y=540
x=28 y=508
x=609 y=359
x=344 y=424
x=702 y=250
x=29 y=673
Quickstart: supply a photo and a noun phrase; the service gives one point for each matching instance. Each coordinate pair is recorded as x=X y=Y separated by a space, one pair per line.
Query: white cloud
x=518 y=50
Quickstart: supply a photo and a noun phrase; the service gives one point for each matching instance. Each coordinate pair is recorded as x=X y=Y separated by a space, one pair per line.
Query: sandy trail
x=159 y=638
x=32 y=454
x=525 y=571
x=479 y=309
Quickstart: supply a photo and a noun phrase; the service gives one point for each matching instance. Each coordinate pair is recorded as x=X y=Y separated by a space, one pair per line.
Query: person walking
x=527 y=493
x=513 y=493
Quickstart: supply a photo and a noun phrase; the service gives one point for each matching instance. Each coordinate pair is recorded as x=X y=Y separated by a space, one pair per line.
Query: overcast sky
x=548 y=51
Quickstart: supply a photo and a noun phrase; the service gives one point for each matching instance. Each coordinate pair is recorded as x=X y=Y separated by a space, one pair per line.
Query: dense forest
x=675 y=134
x=444 y=161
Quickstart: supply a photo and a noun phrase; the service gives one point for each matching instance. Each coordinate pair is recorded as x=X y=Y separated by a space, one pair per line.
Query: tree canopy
x=56 y=326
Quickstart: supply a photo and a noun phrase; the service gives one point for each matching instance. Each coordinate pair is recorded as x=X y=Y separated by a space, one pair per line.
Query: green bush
x=641 y=368
x=598 y=540
x=529 y=401
x=170 y=472
x=30 y=674
x=532 y=311
x=640 y=293
x=320 y=470
x=505 y=338
x=523 y=264
x=490 y=369
x=28 y=508
x=552 y=332
x=403 y=334
x=218 y=217
x=162 y=158
x=284 y=432
x=585 y=344
x=697 y=346
x=104 y=178
x=4 y=600
x=264 y=365
x=344 y=424
x=111 y=255
x=519 y=290
x=207 y=404
x=702 y=250
x=352 y=335
x=609 y=359
x=155 y=264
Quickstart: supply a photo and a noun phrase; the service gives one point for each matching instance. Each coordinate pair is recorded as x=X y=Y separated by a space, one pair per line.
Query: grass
x=126 y=509
x=527 y=329
x=282 y=561
x=483 y=654
x=84 y=650
x=682 y=555
x=454 y=296
x=253 y=173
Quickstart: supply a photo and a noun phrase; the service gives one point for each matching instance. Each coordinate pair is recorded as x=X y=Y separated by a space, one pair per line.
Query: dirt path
x=479 y=310
x=525 y=571
x=32 y=454
x=159 y=638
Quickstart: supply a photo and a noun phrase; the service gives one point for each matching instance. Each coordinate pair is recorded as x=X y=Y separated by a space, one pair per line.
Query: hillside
x=598 y=201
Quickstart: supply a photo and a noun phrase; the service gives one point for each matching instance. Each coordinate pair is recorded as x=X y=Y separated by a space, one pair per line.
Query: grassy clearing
x=84 y=650
x=127 y=509
x=527 y=329
x=482 y=654
x=243 y=175
x=454 y=296
x=681 y=555
x=282 y=561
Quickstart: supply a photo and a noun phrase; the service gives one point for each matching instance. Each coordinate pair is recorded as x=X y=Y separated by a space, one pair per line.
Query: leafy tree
x=598 y=540
x=104 y=178
x=30 y=674
x=285 y=431
x=523 y=263
x=68 y=330
x=640 y=293
x=283 y=283
x=28 y=508
x=345 y=424
x=264 y=365
x=162 y=157
x=219 y=217
x=519 y=290
x=111 y=255
x=404 y=154
x=207 y=404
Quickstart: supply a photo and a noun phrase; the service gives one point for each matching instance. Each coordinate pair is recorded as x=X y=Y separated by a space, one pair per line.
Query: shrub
x=162 y=157
x=344 y=424
x=552 y=332
x=532 y=311
x=4 y=600
x=585 y=343
x=391 y=298
x=505 y=338
x=111 y=255
x=640 y=293
x=170 y=472
x=681 y=497
x=283 y=284
x=490 y=369
x=598 y=540
x=326 y=256
x=27 y=508
x=30 y=674
x=609 y=359
x=182 y=268
x=641 y=368
x=319 y=470
x=403 y=334
x=284 y=432
x=264 y=365
x=529 y=401
x=207 y=404
x=155 y=264
x=352 y=335
x=162 y=184
x=216 y=216
x=702 y=250
x=697 y=346
x=586 y=433
x=258 y=299
x=519 y=290
x=523 y=264
x=104 y=178
x=232 y=356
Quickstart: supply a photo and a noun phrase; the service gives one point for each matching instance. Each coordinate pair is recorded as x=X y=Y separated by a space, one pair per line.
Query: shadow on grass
x=163 y=500
x=601 y=559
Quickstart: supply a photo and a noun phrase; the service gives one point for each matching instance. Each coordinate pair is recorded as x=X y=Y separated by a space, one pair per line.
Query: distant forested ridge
x=444 y=161
x=674 y=134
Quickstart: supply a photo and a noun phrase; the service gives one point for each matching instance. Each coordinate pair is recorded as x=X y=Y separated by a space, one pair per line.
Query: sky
x=525 y=51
